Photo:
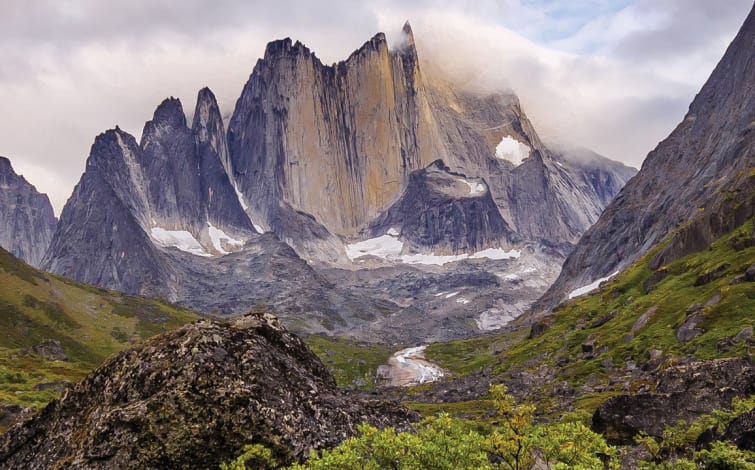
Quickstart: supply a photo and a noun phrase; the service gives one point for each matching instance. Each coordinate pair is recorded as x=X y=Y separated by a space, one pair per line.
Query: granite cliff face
x=26 y=216
x=340 y=142
x=695 y=186
x=336 y=142
x=193 y=398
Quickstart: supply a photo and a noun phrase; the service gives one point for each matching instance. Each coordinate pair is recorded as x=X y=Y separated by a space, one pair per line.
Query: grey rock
x=654 y=279
x=603 y=319
x=711 y=275
x=51 y=350
x=750 y=273
x=644 y=318
x=694 y=308
x=26 y=216
x=689 y=329
x=713 y=300
x=744 y=335
x=682 y=393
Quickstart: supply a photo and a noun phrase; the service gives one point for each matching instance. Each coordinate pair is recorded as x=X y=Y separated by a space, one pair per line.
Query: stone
x=643 y=319
x=654 y=279
x=603 y=319
x=711 y=275
x=589 y=346
x=50 y=350
x=537 y=329
x=682 y=393
x=744 y=335
x=694 y=308
x=713 y=300
x=750 y=273
x=689 y=330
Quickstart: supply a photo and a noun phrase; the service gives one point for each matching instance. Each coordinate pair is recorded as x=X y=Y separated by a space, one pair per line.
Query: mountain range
x=366 y=199
x=367 y=165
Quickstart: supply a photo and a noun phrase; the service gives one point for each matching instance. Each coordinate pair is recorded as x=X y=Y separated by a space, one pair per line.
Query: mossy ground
x=90 y=323
x=353 y=363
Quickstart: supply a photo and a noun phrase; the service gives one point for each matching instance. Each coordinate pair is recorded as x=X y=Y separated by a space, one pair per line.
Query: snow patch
x=218 y=236
x=180 y=239
x=393 y=232
x=512 y=150
x=462 y=300
x=385 y=247
x=590 y=287
x=452 y=294
x=388 y=247
x=245 y=206
x=497 y=253
x=475 y=188
x=432 y=259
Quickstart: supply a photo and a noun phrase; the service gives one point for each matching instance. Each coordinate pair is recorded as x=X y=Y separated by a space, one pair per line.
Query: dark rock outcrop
x=192 y=399
x=26 y=216
x=741 y=431
x=51 y=350
x=682 y=393
x=445 y=212
x=695 y=186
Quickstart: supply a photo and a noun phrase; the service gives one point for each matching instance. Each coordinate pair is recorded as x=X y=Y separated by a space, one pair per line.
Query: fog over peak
x=612 y=76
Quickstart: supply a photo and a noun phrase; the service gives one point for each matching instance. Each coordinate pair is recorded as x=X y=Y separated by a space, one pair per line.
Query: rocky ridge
x=26 y=216
x=695 y=186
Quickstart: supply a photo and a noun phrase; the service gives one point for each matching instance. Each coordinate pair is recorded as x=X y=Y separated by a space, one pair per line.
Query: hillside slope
x=698 y=184
x=53 y=330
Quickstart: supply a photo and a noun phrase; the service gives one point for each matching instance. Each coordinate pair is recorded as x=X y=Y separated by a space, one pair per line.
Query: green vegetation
x=89 y=323
x=442 y=442
x=607 y=323
x=353 y=363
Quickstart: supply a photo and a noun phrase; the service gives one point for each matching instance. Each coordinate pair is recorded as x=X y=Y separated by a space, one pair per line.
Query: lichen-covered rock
x=191 y=399
x=682 y=393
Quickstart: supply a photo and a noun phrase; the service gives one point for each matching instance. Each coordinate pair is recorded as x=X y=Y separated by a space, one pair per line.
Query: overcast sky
x=612 y=75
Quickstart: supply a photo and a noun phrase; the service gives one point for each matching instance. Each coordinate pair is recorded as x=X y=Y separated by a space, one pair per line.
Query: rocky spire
x=26 y=216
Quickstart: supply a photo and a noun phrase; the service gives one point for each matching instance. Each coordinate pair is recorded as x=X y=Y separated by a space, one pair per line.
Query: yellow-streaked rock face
x=335 y=141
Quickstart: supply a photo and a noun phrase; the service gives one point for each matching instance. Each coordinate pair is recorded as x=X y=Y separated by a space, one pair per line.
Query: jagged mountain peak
x=26 y=216
x=168 y=115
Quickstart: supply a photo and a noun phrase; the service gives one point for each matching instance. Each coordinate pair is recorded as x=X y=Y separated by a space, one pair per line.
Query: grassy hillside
x=594 y=341
x=90 y=324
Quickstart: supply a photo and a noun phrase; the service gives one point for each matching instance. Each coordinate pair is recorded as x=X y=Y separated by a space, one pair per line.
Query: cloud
x=615 y=76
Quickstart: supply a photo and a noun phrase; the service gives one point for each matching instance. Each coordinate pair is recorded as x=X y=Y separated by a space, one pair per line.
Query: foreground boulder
x=682 y=393
x=191 y=399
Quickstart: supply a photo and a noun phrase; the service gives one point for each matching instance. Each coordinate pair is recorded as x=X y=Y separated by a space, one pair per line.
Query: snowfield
x=180 y=239
x=388 y=247
x=590 y=287
x=512 y=150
